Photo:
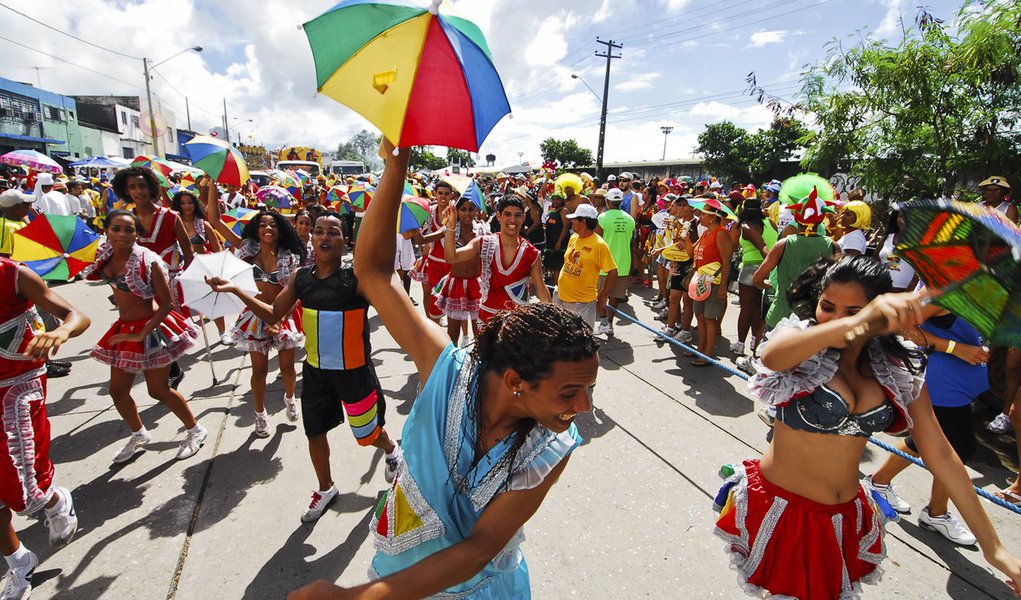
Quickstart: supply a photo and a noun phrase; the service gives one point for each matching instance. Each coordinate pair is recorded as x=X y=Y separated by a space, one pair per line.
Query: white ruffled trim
x=540 y=454
x=137 y=269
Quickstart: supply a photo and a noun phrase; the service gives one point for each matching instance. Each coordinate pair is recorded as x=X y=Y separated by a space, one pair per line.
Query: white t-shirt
x=900 y=271
x=74 y=203
x=854 y=241
x=234 y=202
x=53 y=203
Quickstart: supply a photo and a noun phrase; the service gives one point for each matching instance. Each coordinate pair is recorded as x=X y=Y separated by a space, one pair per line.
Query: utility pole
x=187 y=111
x=152 y=117
x=226 y=128
x=608 y=55
x=666 y=133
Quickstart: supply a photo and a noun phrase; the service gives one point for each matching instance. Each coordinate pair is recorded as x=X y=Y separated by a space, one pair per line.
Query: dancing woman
x=145 y=338
x=798 y=523
x=460 y=295
x=490 y=432
x=270 y=243
x=202 y=238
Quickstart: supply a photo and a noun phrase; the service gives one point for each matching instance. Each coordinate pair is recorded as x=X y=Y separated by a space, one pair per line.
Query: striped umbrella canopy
x=413 y=215
x=274 y=196
x=288 y=182
x=31 y=159
x=238 y=218
x=158 y=166
x=422 y=77
x=56 y=247
x=218 y=159
x=361 y=195
x=468 y=188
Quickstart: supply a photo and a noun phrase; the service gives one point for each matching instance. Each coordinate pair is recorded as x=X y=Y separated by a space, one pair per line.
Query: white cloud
x=549 y=45
x=638 y=81
x=761 y=38
x=675 y=5
x=891 y=22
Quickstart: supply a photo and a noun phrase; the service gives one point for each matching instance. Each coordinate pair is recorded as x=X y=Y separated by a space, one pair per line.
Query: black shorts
x=327 y=394
x=680 y=272
x=958 y=426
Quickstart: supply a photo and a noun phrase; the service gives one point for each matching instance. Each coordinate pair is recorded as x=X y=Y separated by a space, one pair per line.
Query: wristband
x=951 y=344
x=450 y=230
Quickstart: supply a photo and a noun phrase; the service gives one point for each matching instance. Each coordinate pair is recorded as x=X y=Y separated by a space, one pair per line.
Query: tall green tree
x=725 y=151
x=422 y=157
x=361 y=146
x=567 y=153
x=770 y=147
x=919 y=116
x=459 y=156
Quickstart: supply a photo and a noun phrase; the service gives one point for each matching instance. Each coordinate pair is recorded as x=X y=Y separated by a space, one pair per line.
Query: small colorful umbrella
x=238 y=218
x=698 y=204
x=423 y=78
x=274 y=196
x=469 y=188
x=218 y=159
x=414 y=213
x=410 y=190
x=973 y=255
x=188 y=182
x=56 y=247
x=303 y=176
x=289 y=183
x=31 y=159
x=361 y=195
x=157 y=165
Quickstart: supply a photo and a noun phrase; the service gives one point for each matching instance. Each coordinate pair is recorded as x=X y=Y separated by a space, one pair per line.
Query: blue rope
x=981 y=492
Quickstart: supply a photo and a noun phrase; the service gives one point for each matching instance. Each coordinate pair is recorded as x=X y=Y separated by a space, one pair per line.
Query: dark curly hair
x=873 y=277
x=287 y=236
x=530 y=339
x=120 y=182
x=176 y=203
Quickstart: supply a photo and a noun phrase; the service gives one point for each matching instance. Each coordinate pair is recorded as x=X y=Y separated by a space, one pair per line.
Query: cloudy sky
x=684 y=62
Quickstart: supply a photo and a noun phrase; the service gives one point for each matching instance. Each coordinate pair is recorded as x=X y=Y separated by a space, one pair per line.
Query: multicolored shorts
x=327 y=394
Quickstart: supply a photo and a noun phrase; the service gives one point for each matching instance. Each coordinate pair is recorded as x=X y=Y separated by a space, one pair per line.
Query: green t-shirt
x=618 y=229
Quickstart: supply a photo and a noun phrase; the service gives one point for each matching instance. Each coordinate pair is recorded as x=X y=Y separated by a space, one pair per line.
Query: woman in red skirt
x=798 y=523
x=459 y=294
x=148 y=336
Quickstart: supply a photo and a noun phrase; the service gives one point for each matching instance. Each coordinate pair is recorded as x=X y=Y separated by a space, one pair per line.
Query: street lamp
x=578 y=77
x=521 y=158
x=666 y=133
x=148 y=93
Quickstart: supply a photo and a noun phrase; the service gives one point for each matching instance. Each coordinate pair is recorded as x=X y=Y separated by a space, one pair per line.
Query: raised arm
x=272 y=314
x=374 y=267
x=215 y=218
x=451 y=253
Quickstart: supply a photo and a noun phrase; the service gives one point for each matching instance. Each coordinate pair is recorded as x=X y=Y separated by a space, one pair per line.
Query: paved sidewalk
x=630 y=518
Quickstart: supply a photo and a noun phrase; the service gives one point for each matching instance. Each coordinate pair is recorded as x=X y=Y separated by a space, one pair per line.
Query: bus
x=347 y=167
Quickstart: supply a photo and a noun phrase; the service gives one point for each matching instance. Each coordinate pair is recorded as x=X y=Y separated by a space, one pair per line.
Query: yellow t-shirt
x=7 y=229
x=583 y=260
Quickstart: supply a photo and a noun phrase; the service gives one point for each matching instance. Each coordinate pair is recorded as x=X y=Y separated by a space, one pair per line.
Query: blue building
x=36 y=119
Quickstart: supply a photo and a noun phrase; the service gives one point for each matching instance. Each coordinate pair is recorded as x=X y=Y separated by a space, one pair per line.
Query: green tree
x=726 y=151
x=422 y=157
x=567 y=153
x=922 y=115
x=770 y=147
x=361 y=146
x=459 y=156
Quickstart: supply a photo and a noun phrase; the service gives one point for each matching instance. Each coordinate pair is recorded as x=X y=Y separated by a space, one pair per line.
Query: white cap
x=15 y=197
x=614 y=195
x=611 y=178
x=586 y=211
x=715 y=185
x=45 y=179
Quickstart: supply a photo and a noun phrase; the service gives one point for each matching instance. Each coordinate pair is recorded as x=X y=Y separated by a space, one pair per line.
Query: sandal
x=1008 y=496
x=687 y=354
x=700 y=362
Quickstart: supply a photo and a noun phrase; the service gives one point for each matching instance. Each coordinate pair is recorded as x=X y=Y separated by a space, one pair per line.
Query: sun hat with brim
x=995 y=180
x=712 y=205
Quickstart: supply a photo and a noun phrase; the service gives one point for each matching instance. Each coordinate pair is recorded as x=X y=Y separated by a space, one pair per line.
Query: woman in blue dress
x=490 y=432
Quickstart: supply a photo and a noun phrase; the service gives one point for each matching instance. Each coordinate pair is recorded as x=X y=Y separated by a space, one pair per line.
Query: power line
x=48 y=26
x=64 y=60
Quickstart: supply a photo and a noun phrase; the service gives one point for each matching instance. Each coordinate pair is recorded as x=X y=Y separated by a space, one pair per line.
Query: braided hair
x=530 y=339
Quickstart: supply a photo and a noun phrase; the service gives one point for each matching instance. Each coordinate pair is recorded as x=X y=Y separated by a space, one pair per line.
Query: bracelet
x=951 y=344
x=450 y=230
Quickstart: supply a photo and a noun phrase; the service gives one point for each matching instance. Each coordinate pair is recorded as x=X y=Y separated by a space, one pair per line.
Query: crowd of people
x=832 y=327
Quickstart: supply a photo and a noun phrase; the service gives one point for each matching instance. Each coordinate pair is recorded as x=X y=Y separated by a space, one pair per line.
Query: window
x=134 y=121
x=54 y=114
x=128 y=152
x=124 y=118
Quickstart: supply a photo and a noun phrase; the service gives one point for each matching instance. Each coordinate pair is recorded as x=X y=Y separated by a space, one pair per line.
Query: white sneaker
x=683 y=336
x=669 y=331
x=745 y=365
x=261 y=426
x=320 y=500
x=604 y=328
x=767 y=415
x=226 y=339
x=948 y=526
x=135 y=444
x=890 y=495
x=393 y=463
x=660 y=305
x=192 y=442
x=292 y=408
x=63 y=522
x=663 y=315
x=1000 y=425
x=19 y=581
x=737 y=348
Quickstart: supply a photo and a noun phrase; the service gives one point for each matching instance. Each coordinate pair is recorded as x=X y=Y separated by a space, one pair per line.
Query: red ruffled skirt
x=785 y=545
x=251 y=334
x=164 y=345
x=459 y=298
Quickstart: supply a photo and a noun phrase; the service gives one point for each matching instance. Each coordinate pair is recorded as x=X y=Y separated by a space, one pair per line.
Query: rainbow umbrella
x=188 y=182
x=274 y=196
x=361 y=195
x=218 y=159
x=336 y=196
x=238 y=218
x=423 y=78
x=414 y=213
x=289 y=183
x=303 y=176
x=56 y=247
x=410 y=190
x=33 y=160
x=158 y=166
x=468 y=188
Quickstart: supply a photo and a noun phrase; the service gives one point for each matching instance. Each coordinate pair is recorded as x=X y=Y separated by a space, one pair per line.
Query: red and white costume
x=26 y=472
x=460 y=298
x=165 y=344
x=250 y=333
x=504 y=286
x=434 y=266
x=162 y=239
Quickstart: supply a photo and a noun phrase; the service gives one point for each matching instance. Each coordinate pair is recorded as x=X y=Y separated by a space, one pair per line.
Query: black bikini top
x=824 y=411
x=119 y=282
x=265 y=277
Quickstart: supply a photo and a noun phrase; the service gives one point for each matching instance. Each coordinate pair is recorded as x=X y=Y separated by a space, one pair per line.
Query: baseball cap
x=15 y=197
x=586 y=211
x=995 y=180
x=615 y=195
x=611 y=178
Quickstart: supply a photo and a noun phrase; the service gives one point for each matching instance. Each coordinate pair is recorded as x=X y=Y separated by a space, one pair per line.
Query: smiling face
x=122 y=232
x=442 y=195
x=328 y=239
x=556 y=400
x=187 y=206
x=268 y=232
x=138 y=190
x=304 y=226
x=511 y=218
x=466 y=213
x=840 y=300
